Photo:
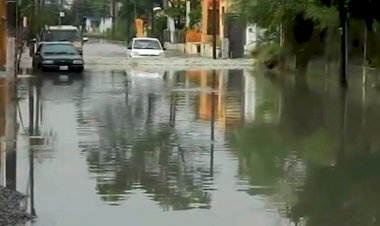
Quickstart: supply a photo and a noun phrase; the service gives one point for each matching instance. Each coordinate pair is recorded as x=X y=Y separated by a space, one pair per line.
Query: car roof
x=56 y=43
x=146 y=38
x=63 y=27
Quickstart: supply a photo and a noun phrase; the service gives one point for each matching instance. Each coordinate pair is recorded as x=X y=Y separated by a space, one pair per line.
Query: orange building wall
x=223 y=6
x=3 y=35
x=206 y=5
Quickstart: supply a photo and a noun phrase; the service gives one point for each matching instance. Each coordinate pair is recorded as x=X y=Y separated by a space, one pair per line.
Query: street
x=165 y=145
x=102 y=55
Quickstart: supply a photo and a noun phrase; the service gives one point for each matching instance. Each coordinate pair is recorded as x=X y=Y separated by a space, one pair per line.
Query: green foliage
x=323 y=17
x=46 y=15
x=268 y=54
x=100 y=7
x=195 y=15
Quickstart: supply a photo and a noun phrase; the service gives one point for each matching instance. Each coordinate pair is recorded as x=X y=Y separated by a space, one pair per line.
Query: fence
x=179 y=36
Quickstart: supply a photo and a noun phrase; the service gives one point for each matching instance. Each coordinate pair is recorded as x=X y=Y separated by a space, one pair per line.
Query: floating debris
x=11 y=212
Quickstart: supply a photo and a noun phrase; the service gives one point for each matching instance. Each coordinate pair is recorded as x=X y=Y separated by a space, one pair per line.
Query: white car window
x=146 y=44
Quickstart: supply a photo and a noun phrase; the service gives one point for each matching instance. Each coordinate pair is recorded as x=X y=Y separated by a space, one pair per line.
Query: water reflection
x=276 y=150
x=316 y=161
x=139 y=148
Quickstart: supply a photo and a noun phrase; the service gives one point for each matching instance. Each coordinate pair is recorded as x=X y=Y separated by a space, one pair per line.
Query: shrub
x=270 y=55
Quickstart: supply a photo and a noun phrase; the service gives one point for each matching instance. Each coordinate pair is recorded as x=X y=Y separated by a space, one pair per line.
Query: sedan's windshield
x=146 y=44
x=58 y=49
x=61 y=35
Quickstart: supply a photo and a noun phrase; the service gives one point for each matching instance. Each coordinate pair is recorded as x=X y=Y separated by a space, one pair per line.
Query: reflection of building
x=227 y=104
x=249 y=97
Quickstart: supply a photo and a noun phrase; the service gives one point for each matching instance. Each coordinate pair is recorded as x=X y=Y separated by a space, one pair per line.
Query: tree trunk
x=302 y=60
x=288 y=44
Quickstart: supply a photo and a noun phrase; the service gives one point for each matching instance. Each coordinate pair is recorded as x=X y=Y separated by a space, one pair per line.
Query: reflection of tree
x=342 y=195
x=136 y=150
x=299 y=155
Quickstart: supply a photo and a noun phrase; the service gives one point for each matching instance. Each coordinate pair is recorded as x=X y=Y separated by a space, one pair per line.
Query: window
x=54 y=49
x=61 y=35
x=146 y=44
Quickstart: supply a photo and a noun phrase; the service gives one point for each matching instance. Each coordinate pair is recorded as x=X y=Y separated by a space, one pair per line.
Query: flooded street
x=194 y=147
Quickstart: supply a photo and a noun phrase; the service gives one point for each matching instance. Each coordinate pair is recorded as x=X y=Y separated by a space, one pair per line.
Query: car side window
x=39 y=48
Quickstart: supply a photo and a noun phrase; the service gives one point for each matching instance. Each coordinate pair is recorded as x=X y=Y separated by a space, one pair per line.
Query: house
x=234 y=37
x=98 y=24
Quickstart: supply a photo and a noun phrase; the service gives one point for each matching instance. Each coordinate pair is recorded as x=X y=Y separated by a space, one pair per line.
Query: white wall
x=251 y=36
x=105 y=23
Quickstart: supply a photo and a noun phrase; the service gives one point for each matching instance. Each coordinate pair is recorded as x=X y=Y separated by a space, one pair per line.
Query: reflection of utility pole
x=172 y=108
x=343 y=122
x=151 y=98
x=343 y=34
x=213 y=86
x=213 y=104
x=10 y=135
x=31 y=150
x=214 y=30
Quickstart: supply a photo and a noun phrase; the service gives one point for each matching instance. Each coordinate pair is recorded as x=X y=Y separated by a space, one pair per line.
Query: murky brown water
x=142 y=148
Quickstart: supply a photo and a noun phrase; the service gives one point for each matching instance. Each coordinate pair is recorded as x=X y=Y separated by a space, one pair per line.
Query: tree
x=177 y=10
x=302 y=22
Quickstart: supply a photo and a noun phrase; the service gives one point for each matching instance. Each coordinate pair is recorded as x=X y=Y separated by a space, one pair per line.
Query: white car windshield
x=61 y=35
x=146 y=44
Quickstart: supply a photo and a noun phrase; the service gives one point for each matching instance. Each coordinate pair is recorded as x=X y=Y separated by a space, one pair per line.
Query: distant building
x=98 y=24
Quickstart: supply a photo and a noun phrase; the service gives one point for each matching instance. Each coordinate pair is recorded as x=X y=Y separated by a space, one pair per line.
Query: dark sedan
x=59 y=56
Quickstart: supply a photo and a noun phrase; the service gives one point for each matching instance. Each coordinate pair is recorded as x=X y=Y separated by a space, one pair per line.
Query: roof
x=55 y=43
x=146 y=38
x=63 y=27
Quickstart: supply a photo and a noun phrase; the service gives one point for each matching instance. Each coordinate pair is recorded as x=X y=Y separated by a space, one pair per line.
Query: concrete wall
x=194 y=48
x=104 y=25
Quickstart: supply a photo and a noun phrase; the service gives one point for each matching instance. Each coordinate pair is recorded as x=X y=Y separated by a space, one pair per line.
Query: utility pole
x=214 y=30
x=152 y=18
x=31 y=150
x=61 y=13
x=11 y=6
x=113 y=9
x=343 y=35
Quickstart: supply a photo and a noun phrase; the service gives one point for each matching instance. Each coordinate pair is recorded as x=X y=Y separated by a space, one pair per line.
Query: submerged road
x=103 y=55
x=149 y=145
x=135 y=144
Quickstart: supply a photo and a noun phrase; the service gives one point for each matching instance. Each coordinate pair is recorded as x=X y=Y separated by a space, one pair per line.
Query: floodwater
x=204 y=148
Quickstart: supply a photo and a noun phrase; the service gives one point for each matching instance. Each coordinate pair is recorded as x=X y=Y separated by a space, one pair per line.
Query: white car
x=145 y=47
